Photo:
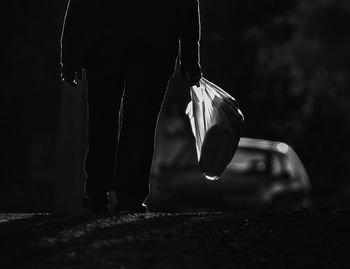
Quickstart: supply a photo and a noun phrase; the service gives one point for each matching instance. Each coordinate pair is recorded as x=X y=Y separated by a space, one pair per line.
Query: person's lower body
x=142 y=101
x=120 y=155
x=103 y=96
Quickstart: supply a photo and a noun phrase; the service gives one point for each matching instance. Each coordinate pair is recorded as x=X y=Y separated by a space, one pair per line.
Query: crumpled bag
x=216 y=121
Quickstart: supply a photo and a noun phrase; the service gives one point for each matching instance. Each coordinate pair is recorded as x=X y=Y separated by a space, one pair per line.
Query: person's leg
x=105 y=88
x=142 y=102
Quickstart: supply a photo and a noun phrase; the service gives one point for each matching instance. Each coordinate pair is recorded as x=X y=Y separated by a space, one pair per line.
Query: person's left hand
x=191 y=74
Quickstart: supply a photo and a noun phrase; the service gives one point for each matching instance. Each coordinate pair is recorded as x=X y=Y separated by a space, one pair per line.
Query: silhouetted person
x=129 y=50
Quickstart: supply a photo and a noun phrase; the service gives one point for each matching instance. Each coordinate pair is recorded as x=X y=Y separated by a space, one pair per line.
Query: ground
x=273 y=239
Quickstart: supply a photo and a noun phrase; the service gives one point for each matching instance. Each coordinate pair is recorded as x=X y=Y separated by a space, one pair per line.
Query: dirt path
x=286 y=239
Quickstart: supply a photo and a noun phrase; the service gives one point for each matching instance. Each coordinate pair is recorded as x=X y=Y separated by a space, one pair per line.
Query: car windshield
x=246 y=160
x=283 y=165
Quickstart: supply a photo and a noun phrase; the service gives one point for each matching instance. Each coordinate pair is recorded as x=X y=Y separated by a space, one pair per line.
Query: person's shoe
x=97 y=204
x=122 y=209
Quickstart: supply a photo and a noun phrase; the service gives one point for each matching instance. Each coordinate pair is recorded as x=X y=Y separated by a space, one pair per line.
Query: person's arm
x=190 y=42
x=72 y=41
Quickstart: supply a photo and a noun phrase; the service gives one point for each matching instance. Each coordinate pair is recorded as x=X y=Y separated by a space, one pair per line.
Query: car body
x=262 y=174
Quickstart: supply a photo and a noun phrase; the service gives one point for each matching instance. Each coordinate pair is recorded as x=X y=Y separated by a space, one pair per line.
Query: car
x=262 y=174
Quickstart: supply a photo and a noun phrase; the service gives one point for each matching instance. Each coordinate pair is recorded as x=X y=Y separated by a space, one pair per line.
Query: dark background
x=286 y=62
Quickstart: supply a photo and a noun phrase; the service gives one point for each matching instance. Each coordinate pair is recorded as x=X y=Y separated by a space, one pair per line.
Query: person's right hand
x=71 y=74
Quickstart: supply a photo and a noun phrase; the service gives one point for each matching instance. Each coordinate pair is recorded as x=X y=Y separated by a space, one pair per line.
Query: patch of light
x=277 y=188
x=212 y=178
x=282 y=147
x=7 y=217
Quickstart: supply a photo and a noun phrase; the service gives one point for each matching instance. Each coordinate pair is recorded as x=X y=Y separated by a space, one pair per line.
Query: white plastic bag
x=216 y=123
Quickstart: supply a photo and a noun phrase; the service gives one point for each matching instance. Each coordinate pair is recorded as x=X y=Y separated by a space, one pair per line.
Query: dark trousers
x=126 y=87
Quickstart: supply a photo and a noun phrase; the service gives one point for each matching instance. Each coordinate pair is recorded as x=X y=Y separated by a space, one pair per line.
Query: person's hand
x=191 y=74
x=71 y=74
